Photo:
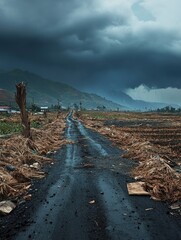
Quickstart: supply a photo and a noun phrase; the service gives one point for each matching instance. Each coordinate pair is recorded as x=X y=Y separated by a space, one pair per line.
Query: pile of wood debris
x=154 y=169
x=161 y=181
x=21 y=158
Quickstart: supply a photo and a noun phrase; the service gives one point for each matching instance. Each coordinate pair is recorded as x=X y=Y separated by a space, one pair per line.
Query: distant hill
x=6 y=97
x=43 y=91
x=125 y=100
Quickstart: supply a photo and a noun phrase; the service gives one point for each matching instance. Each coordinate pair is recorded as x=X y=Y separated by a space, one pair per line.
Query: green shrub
x=9 y=127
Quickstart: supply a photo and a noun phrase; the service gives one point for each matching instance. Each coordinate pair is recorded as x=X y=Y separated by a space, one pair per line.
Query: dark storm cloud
x=88 y=43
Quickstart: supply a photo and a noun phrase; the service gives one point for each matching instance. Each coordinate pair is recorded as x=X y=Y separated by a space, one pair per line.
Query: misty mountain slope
x=43 y=91
x=6 y=97
x=125 y=100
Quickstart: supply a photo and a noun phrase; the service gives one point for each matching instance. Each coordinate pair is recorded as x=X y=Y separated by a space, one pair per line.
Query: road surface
x=85 y=197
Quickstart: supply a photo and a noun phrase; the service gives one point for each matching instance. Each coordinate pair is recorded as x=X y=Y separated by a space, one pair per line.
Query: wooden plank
x=137 y=188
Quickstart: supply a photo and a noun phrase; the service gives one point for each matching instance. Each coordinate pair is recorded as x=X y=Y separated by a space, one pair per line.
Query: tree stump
x=20 y=98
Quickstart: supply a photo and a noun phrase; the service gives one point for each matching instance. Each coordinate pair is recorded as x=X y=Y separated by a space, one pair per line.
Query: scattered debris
x=88 y=165
x=162 y=182
x=6 y=207
x=28 y=197
x=85 y=165
x=175 y=206
x=21 y=158
x=35 y=165
x=150 y=138
x=20 y=177
x=137 y=188
x=148 y=209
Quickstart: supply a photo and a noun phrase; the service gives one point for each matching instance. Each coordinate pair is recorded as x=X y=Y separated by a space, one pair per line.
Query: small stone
x=10 y=168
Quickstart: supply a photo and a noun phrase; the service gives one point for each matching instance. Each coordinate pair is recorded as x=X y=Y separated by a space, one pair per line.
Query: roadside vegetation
x=7 y=128
x=11 y=124
x=22 y=158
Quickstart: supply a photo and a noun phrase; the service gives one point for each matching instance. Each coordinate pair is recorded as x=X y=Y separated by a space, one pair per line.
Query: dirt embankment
x=152 y=139
x=21 y=159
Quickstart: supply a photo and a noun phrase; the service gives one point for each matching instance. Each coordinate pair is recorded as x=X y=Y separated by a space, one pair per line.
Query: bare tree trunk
x=45 y=114
x=21 y=101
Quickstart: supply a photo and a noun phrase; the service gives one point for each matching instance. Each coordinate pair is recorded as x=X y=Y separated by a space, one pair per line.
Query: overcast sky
x=95 y=45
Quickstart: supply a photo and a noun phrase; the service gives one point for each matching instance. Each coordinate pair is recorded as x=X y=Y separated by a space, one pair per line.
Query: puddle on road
x=85 y=134
x=72 y=155
x=72 y=149
x=94 y=144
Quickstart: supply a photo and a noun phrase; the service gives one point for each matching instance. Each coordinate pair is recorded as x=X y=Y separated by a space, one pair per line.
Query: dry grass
x=152 y=139
x=28 y=156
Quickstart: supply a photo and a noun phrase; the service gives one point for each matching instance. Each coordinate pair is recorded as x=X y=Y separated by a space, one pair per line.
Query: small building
x=44 y=109
x=5 y=109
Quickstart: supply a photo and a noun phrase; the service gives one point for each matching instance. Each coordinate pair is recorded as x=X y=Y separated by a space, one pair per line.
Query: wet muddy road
x=85 y=197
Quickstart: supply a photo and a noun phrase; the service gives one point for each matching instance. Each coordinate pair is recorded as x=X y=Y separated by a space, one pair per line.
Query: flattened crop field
x=152 y=139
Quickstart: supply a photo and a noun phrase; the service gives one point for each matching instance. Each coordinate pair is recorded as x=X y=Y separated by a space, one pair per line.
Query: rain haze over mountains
x=123 y=50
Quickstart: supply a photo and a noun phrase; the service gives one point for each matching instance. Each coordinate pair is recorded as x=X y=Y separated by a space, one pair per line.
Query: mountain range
x=45 y=92
x=132 y=104
x=6 y=97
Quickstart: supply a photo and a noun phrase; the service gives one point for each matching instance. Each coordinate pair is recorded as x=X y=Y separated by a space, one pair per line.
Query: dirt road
x=85 y=197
